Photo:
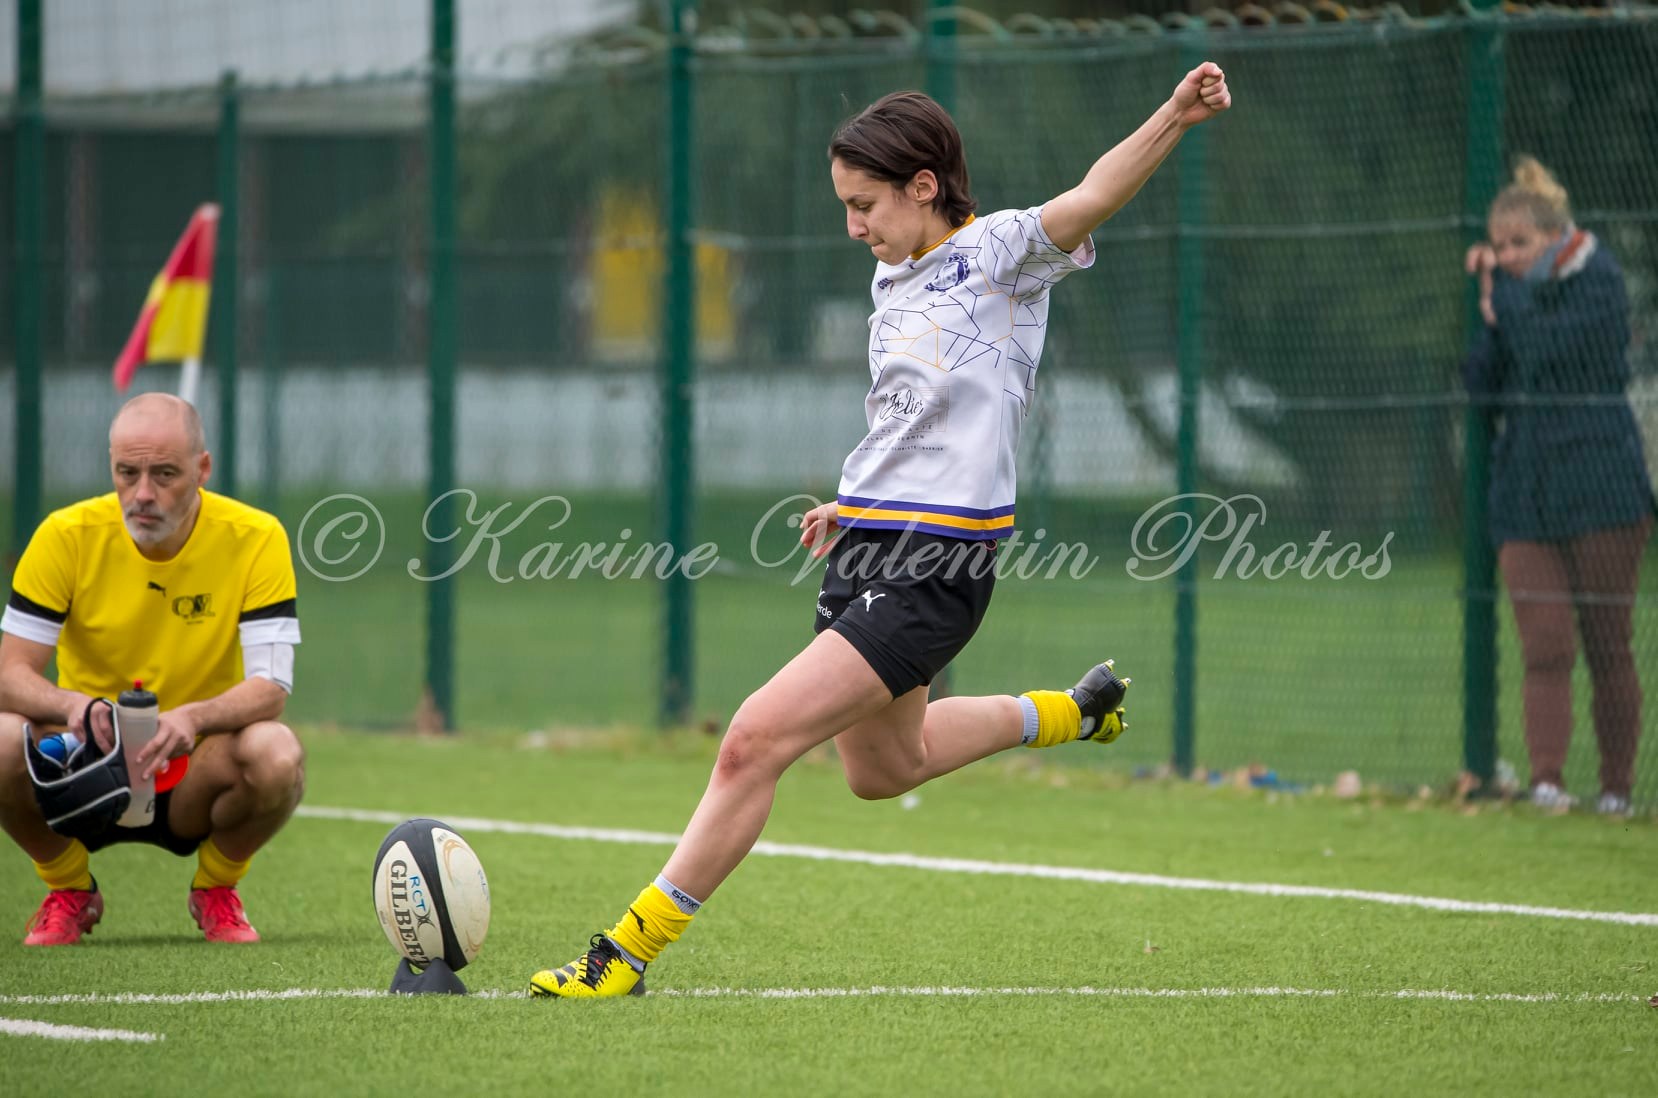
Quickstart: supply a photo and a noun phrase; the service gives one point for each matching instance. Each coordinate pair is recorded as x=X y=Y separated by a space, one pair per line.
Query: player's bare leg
x=241 y=788
x=823 y=690
x=888 y=746
x=72 y=906
x=19 y=815
x=913 y=741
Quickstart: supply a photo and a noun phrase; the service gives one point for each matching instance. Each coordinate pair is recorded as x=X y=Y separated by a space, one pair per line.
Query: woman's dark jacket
x=1567 y=455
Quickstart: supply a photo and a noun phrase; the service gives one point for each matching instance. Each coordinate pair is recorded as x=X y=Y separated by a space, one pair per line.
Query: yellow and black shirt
x=179 y=626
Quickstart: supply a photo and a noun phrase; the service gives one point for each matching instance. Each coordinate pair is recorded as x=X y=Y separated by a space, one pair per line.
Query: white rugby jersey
x=953 y=346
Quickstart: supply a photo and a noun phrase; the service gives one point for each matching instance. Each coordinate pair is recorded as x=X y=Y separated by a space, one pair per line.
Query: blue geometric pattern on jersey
x=1013 y=244
x=949 y=333
x=953 y=345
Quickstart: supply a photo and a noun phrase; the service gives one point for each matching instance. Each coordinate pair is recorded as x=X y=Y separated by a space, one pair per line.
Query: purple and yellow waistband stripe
x=970 y=523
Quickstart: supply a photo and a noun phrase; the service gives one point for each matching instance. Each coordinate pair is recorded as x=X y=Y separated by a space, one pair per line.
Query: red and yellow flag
x=173 y=323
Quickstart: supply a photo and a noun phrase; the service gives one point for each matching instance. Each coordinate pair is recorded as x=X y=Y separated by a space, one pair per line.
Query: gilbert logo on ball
x=431 y=894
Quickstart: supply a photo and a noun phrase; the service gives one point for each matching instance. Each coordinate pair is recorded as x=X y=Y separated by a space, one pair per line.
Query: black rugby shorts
x=908 y=602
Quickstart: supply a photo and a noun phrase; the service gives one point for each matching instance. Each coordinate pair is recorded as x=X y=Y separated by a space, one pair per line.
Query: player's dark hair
x=902 y=134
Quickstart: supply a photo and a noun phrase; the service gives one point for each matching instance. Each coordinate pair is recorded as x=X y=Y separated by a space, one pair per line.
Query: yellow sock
x=214 y=870
x=651 y=923
x=1058 y=720
x=71 y=869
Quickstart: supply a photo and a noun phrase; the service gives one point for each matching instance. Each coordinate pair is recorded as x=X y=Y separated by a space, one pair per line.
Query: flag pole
x=189 y=379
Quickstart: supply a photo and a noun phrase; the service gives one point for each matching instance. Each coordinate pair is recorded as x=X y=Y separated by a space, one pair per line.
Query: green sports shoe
x=599 y=973
x=1100 y=697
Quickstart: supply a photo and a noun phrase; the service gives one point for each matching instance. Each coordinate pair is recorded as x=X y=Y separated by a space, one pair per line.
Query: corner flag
x=173 y=323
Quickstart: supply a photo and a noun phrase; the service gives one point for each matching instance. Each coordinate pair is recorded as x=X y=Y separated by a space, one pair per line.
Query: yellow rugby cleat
x=599 y=973
x=1100 y=698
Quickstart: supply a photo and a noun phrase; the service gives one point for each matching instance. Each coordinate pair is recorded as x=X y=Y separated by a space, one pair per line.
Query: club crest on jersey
x=193 y=608
x=952 y=274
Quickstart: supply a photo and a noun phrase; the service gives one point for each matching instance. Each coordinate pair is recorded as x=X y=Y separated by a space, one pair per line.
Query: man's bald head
x=163 y=413
x=159 y=461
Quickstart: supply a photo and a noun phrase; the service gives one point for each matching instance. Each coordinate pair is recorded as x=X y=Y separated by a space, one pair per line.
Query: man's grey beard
x=151 y=536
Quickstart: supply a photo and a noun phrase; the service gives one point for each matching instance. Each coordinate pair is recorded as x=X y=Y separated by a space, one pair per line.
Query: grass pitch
x=807 y=975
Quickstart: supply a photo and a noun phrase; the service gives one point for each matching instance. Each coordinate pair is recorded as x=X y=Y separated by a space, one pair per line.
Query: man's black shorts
x=908 y=602
x=155 y=833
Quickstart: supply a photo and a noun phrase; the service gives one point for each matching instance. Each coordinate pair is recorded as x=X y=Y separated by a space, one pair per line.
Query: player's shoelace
x=600 y=955
x=60 y=911
x=220 y=908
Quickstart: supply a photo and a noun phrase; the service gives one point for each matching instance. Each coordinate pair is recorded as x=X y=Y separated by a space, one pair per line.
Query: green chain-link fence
x=1301 y=258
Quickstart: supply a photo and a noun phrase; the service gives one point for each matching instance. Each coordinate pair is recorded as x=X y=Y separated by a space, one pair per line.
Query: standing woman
x=960 y=314
x=1571 y=503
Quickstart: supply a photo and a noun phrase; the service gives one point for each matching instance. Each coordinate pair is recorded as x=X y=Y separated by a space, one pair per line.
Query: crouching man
x=193 y=594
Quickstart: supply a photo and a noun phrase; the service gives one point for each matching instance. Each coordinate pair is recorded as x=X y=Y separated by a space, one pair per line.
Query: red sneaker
x=218 y=911
x=64 y=916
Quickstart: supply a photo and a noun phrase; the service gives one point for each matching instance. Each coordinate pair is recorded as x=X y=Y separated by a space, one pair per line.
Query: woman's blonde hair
x=1536 y=193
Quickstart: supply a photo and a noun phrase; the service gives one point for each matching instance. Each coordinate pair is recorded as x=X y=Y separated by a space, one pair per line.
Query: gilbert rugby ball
x=431 y=894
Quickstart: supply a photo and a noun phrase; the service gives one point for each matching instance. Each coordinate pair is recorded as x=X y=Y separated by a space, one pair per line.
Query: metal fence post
x=938 y=57
x=227 y=293
x=270 y=387
x=1189 y=351
x=440 y=352
x=677 y=454
x=28 y=271
x=938 y=40
x=1483 y=170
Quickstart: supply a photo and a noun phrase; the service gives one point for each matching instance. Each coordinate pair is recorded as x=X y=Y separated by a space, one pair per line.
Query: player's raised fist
x=1202 y=94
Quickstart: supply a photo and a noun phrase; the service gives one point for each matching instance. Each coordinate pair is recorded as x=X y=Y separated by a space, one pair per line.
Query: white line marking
x=1132 y=993
x=140 y=998
x=22 y=1027
x=1006 y=869
x=289 y=994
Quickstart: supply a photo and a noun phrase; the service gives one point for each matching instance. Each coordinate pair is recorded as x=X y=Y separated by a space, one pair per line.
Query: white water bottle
x=135 y=714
